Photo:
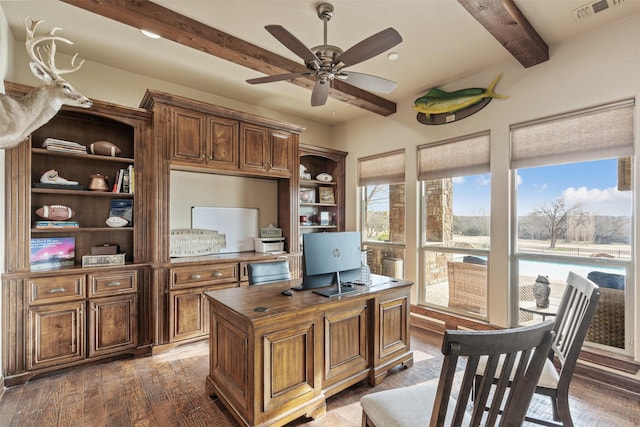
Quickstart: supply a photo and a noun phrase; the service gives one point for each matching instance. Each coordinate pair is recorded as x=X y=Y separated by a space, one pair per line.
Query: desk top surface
x=251 y=301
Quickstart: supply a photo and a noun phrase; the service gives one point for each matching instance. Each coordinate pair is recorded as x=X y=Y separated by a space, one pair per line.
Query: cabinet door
x=222 y=143
x=254 y=148
x=187 y=135
x=113 y=324
x=346 y=350
x=281 y=153
x=187 y=315
x=56 y=334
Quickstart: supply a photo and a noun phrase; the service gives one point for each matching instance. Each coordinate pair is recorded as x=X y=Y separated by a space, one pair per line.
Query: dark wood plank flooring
x=168 y=390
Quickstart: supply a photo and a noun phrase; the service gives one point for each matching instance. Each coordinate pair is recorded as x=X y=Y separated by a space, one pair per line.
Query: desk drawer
x=200 y=275
x=114 y=283
x=45 y=290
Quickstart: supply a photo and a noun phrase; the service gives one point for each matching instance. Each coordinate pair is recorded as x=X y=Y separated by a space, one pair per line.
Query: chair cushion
x=607 y=280
x=474 y=260
x=406 y=406
x=548 y=378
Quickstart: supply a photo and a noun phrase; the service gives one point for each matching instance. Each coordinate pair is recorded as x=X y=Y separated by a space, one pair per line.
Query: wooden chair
x=410 y=406
x=267 y=272
x=577 y=308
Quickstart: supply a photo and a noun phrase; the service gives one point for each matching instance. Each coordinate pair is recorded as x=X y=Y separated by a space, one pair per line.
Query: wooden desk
x=271 y=367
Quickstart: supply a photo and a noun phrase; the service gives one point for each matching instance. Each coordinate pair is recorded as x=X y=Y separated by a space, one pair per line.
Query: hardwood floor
x=168 y=390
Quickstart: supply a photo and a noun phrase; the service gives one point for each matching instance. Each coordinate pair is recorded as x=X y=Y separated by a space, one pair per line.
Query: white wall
x=596 y=68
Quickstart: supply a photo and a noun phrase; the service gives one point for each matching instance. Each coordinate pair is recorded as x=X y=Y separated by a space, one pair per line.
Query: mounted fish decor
x=438 y=107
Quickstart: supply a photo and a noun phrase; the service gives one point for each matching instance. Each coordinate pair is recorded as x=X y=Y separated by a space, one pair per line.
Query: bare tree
x=377 y=220
x=554 y=218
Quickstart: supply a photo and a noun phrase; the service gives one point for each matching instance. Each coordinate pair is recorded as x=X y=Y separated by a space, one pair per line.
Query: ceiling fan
x=327 y=62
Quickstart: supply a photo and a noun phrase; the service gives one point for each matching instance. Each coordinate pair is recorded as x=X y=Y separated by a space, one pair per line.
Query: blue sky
x=594 y=184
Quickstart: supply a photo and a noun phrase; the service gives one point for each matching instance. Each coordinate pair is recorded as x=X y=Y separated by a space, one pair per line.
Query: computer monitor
x=331 y=258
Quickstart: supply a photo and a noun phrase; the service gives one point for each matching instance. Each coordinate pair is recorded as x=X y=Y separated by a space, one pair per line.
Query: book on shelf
x=56 y=224
x=52 y=253
x=53 y=144
x=124 y=181
x=122 y=208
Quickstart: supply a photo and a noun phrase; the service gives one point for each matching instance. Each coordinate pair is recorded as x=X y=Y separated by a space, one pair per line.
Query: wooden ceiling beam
x=504 y=20
x=144 y=14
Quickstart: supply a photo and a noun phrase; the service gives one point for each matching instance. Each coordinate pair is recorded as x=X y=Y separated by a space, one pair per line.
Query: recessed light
x=392 y=56
x=150 y=34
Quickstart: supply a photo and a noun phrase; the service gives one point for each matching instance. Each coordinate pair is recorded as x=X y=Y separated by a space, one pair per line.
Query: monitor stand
x=340 y=290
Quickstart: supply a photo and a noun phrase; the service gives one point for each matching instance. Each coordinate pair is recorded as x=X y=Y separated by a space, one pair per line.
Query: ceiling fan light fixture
x=150 y=34
x=392 y=56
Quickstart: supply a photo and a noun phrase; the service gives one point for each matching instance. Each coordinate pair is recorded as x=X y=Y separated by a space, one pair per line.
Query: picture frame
x=307 y=195
x=326 y=195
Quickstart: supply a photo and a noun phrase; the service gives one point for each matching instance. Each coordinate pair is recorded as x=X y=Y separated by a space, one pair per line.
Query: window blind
x=385 y=168
x=597 y=133
x=456 y=157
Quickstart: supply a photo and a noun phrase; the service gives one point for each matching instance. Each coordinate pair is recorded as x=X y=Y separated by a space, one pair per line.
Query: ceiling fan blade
x=320 y=93
x=370 y=47
x=368 y=82
x=293 y=44
x=276 y=78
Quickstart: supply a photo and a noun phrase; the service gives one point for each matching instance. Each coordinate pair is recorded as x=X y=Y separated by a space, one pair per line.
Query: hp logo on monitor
x=336 y=253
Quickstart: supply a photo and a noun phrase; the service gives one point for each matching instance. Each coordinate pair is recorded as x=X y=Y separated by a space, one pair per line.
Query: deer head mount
x=20 y=117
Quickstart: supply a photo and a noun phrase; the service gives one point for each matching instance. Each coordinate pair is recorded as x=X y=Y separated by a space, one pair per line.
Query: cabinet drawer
x=45 y=290
x=115 y=283
x=208 y=274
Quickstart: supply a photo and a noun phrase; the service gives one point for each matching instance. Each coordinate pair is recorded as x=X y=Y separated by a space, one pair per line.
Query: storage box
x=105 y=249
x=102 y=260
x=269 y=245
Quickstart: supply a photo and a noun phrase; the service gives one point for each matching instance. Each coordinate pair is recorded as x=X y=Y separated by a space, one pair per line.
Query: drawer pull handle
x=217 y=274
x=113 y=284
x=195 y=276
x=57 y=290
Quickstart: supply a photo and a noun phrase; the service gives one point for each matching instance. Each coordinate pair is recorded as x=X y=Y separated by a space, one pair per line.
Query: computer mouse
x=287 y=292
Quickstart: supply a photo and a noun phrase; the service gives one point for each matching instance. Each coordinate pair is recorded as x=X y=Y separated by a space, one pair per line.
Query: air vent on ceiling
x=592 y=8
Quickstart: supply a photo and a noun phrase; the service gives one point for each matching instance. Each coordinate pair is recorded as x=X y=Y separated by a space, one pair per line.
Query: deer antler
x=33 y=49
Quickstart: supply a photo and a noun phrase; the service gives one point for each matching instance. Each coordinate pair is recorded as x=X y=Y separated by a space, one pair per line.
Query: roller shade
x=386 y=168
x=597 y=133
x=457 y=157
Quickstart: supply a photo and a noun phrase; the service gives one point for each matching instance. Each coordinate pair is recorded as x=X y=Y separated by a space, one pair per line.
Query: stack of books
x=45 y=225
x=124 y=181
x=53 y=144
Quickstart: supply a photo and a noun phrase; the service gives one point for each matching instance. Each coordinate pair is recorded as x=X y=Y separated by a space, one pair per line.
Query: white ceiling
x=441 y=43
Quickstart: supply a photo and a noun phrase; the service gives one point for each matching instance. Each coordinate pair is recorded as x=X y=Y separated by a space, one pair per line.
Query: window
x=574 y=212
x=381 y=180
x=455 y=184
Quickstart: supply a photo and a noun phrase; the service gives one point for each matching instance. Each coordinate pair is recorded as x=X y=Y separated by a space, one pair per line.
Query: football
x=55 y=212
x=104 y=148
x=116 y=221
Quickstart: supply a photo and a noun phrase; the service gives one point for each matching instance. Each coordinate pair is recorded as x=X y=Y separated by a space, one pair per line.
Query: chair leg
x=562 y=409
x=365 y=419
x=554 y=405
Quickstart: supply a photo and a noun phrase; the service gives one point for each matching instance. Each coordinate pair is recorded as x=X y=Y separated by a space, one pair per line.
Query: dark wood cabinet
x=188 y=139
x=213 y=139
x=55 y=334
x=222 y=143
x=198 y=138
x=112 y=324
x=66 y=316
x=264 y=150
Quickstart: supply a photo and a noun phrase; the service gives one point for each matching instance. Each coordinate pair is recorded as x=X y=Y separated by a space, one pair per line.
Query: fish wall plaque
x=438 y=107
